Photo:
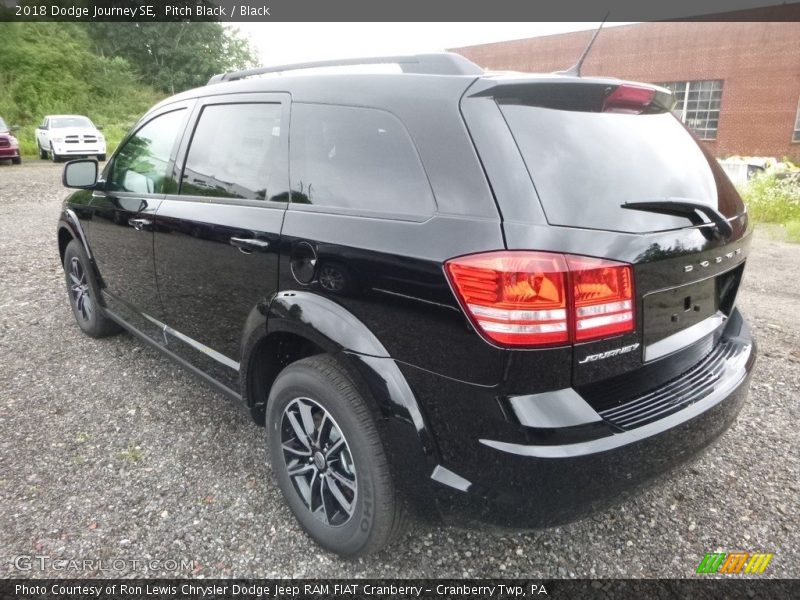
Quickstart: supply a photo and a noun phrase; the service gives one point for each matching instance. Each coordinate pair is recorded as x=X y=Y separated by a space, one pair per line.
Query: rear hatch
x=601 y=168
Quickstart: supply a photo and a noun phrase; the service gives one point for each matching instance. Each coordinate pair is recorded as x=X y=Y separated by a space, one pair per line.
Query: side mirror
x=13 y=128
x=80 y=174
x=98 y=127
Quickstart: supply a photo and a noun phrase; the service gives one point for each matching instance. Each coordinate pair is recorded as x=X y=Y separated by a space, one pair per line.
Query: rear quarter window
x=356 y=160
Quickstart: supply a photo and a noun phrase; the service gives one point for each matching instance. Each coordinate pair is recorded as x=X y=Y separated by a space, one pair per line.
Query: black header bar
x=464 y=589
x=387 y=10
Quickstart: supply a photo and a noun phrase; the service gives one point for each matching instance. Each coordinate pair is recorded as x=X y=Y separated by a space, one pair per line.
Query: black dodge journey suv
x=505 y=297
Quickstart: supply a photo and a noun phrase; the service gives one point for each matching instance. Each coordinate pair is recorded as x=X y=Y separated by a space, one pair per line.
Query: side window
x=141 y=165
x=356 y=158
x=234 y=152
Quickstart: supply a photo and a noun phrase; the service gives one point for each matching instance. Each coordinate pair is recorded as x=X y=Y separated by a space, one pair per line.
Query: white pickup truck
x=63 y=136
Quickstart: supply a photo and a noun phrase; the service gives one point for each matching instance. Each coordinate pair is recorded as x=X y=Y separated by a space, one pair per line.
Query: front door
x=217 y=238
x=123 y=210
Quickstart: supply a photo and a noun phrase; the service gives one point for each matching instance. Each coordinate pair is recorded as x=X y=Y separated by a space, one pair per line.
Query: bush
x=774 y=198
x=793 y=231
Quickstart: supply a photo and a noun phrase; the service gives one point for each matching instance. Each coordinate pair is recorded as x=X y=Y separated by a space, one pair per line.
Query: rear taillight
x=602 y=294
x=629 y=99
x=521 y=298
x=515 y=298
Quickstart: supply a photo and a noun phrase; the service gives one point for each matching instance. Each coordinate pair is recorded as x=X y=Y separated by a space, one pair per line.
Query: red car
x=9 y=146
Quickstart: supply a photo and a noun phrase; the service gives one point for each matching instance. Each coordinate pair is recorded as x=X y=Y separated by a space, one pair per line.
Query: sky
x=287 y=43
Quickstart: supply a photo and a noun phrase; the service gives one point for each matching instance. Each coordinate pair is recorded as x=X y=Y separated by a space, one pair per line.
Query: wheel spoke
x=308 y=419
x=337 y=493
x=304 y=489
x=288 y=448
x=88 y=306
x=324 y=503
x=77 y=271
x=299 y=469
x=299 y=432
x=75 y=280
x=343 y=480
x=315 y=491
x=322 y=436
x=337 y=445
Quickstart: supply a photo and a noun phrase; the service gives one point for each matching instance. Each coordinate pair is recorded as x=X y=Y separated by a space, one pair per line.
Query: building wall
x=759 y=64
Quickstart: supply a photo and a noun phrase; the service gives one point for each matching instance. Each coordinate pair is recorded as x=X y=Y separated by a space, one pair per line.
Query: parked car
x=502 y=297
x=9 y=146
x=64 y=136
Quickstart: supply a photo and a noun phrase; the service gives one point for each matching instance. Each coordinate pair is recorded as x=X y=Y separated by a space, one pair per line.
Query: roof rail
x=441 y=63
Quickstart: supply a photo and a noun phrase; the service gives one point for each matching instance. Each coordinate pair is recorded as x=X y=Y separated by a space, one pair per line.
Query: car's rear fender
x=295 y=324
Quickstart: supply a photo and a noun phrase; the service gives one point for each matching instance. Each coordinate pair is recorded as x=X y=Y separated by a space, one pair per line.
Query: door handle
x=247 y=245
x=140 y=224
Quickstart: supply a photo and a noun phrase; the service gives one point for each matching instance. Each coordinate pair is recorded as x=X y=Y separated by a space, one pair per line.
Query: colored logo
x=734 y=562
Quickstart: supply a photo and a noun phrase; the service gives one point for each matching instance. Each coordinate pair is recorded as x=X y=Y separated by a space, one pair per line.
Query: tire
x=42 y=152
x=17 y=160
x=320 y=387
x=83 y=293
x=55 y=157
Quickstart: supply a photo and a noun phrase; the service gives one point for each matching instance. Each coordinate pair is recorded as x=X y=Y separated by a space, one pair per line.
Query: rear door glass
x=356 y=160
x=234 y=151
x=584 y=165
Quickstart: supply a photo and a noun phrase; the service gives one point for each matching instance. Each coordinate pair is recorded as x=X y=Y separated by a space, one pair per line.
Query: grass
x=775 y=198
x=133 y=454
x=793 y=231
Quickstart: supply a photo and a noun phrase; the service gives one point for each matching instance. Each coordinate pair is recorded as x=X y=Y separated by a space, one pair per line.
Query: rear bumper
x=551 y=475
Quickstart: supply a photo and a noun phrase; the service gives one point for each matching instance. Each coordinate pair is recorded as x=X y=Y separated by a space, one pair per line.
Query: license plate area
x=670 y=311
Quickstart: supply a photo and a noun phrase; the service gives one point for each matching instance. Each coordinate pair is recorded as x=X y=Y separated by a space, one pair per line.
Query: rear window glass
x=356 y=159
x=584 y=165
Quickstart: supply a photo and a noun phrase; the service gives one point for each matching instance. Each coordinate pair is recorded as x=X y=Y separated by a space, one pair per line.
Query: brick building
x=737 y=84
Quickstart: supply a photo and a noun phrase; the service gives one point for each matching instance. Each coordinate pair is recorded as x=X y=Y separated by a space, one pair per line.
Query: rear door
x=216 y=239
x=564 y=161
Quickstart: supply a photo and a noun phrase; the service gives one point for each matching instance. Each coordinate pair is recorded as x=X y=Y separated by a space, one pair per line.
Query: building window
x=796 y=134
x=697 y=105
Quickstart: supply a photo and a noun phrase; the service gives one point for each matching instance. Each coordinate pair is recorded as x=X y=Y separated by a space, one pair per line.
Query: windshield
x=584 y=165
x=62 y=122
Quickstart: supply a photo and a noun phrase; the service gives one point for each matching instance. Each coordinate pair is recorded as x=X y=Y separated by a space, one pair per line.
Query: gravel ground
x=107 y=450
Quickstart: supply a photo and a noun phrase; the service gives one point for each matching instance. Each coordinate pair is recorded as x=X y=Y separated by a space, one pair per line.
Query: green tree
x=174 y=56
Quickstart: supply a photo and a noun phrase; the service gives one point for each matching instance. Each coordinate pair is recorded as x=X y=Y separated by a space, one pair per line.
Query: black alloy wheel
x=80 y=291
x=319 y=461
x=84 y=293
x=328 y=459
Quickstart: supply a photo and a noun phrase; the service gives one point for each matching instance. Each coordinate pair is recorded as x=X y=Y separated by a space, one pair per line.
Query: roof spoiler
x=441 y=63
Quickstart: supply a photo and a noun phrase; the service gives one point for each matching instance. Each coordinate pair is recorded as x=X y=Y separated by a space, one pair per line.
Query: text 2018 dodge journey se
x=506 y=297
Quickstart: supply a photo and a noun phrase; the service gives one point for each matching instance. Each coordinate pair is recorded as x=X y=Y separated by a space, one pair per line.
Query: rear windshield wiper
x=688 y=209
